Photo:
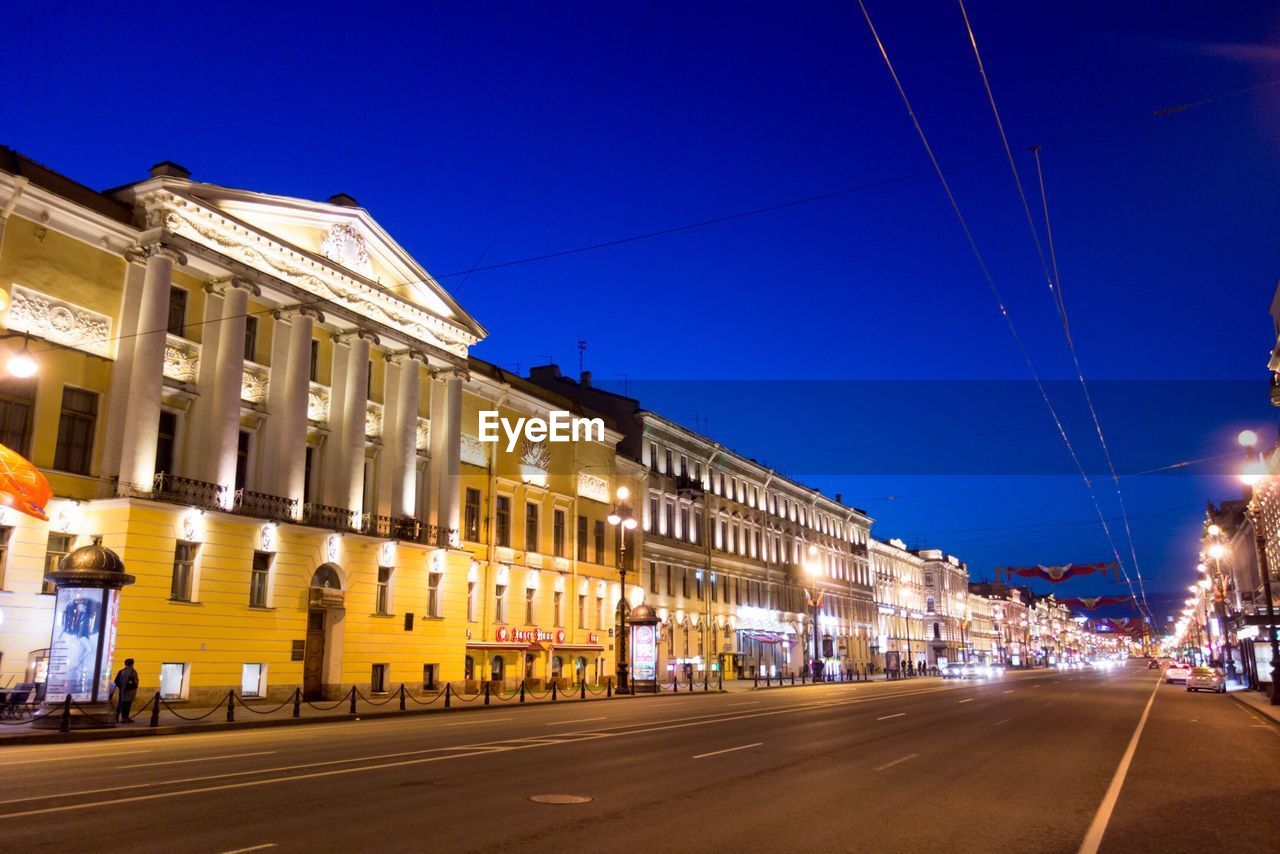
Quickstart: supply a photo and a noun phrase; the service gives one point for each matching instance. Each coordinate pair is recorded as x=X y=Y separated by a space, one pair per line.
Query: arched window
x=557 y=667
x=496 y=669
x=580 y=668
x=469 y=668
x=929 y=606
x=326 y=577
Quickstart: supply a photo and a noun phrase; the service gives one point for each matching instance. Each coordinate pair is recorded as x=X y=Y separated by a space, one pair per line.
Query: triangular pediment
x=343 y=236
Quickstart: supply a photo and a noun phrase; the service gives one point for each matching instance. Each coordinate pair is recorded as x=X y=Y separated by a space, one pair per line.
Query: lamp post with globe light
x=1219 y=585
x=812 y=569
x=1254 y=476
x=622 y=518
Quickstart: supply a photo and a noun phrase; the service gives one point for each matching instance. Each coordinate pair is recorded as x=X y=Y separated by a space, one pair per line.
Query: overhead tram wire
x=1055 y=291
x=986 y=274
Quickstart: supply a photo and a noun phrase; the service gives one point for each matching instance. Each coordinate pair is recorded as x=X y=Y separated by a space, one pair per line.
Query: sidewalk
x=176 y=718
x=1257 y=702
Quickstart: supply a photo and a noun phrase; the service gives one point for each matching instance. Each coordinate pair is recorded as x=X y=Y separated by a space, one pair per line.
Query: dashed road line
x=897 y=761
x=728 y=750
x=886 y=717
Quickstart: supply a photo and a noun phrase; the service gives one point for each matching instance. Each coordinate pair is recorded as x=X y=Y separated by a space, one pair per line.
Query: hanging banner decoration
x=22 y=486
x=809 y=598
x=1057 y=574
x=1092 y=603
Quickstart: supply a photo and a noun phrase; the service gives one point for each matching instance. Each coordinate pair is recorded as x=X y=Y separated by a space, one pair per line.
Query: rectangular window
x=430 y=672
x=671 y=519
x=599 y=542
x=582 y=611
x=56 y=548
x=166 y=437
x=557 y=605
x=368 y=379
x=433 y=594
x=684 y=524
x=500 y=603
x=253 y=680
x=308 y=466
x=250 y=338
x=471 y=516
x=530 y=527
x=670 y=467
x=684 y=583
x=382 y=603
x=712 y=588
x=378 y=679
x=177 y=310
x=260 y=579
x=697 y=577
x=582 y=538
x=4 y=552
x=315 y=360
x=671 y=590
x=242 y=458
x=184 y=567
x=653 y=456
x=530 y=606
x=75 y=431
x=17 y=402
x=471 y=601
x=653 y=577
x=173 y=680
x=557 y=533
x=502 y=519
x=599 y=612
x=653 y=514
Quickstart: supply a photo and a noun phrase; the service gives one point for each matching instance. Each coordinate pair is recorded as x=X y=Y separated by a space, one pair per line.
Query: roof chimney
x=839 y=498
x=169 y=169
x=585 y=380
x=343 y=200
x=544 y=373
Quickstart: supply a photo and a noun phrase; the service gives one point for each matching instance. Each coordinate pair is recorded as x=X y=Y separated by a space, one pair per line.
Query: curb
x=144 y=731
x=1269 y=713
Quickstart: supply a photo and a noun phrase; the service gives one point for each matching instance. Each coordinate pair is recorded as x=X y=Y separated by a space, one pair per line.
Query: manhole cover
x=560 y=799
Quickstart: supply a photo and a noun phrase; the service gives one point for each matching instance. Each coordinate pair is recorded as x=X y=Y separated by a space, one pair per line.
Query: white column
x=354 y=411
x=292 y=434
x=405 y=474
x=122 y=368
x=446 y=446
x=224 y=415
x=142 y=411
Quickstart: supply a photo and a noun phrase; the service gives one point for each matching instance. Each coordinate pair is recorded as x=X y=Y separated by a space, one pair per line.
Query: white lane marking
x=63 y=757
x=886 y=717
x=746 y=703
x=1002 y=721
x=1093 y=838
x=728 y=750
x=1010 y=691
x=483 y=719
x=251 y=848
x=578 y=721
x=970 y=700
x=897 y=761
x=199 y=759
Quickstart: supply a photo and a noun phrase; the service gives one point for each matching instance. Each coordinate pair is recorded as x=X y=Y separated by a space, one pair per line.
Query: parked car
x=1207 y=679
x=1177 y=672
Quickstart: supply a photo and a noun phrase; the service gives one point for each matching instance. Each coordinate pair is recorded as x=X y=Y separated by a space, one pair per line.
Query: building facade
x=946 y=585
x=900 y=601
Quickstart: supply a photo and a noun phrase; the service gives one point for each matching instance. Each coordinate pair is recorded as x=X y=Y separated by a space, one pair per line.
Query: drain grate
x=560 y=799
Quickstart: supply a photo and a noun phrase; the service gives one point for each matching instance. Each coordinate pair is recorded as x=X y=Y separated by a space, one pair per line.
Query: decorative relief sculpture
x=58 y=321
x=373 y=419
x=181 y=359
x=318 y=404
x=345 y=245
x=423 y=440
x=471 y=450
x=253 y=384
x=595 y=488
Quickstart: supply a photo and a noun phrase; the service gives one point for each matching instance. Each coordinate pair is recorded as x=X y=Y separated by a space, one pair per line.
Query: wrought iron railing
x=186 y=490
x=263 y=506
x=333 y=518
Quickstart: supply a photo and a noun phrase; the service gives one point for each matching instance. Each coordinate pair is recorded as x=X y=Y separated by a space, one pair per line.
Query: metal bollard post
x=755 y=680
x=720 y=681
x=297 y=702
x=486 y=693
x=706 y=680
x=231 y=707
x=353 y=699
x=155 y=711
x=793 y=678
x=402 y=707
x=65 y=726
x=608 y=688
x=553 y=690
x=448 y=688
x=583 y=686
x=522 y=690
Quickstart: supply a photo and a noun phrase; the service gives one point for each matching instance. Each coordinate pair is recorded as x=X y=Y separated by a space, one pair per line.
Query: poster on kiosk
x=84 y=628
x=644 y=652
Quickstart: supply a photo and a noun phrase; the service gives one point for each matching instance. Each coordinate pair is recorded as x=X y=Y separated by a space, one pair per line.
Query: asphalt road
x=1022 y=763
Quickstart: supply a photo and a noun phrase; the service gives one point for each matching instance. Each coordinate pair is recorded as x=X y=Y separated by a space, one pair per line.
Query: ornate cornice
x=141 y=252
x=450 y=372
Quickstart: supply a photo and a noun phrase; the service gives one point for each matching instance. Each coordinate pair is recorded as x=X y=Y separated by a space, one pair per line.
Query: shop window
x=173 y=680
x=378 y=678
x=253 y=680
x=557 y=666
x=430 y=673
x=497 y=669
x=468 y=668
x=182 y=585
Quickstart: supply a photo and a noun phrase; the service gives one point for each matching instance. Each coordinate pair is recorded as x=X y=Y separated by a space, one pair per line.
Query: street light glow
x=1217 y=550
x=21 y=365
x=1253 y=473
x=1247 y=439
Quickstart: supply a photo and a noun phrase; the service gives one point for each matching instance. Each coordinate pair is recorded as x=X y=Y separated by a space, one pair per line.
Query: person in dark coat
x=126 y=683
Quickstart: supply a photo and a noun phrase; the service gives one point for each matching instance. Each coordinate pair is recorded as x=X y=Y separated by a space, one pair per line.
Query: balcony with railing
x=188 y=491
x=332 y=518
x=261 y=505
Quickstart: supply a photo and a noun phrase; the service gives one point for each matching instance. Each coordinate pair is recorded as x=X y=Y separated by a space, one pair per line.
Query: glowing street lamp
x=620 y=517
x=21 y=364
x=1254 y=474
x=812 y=569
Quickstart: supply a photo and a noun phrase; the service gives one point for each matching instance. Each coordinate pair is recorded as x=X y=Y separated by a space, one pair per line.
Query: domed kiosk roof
x=644 y=613
x=91 y=566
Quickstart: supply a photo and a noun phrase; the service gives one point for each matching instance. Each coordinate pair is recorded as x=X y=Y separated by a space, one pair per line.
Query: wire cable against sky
x=1055 y=291
x=986 y=274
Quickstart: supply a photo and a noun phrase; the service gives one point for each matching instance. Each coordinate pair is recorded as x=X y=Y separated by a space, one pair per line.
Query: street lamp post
x=622 y=518
x=811 y=569
x=1253 y=475
x=1216 y=551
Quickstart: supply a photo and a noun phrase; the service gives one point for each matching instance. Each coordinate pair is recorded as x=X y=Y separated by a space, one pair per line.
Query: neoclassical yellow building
x=269 y=410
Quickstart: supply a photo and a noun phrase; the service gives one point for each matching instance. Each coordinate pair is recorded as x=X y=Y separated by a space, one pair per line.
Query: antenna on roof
x=582 y=348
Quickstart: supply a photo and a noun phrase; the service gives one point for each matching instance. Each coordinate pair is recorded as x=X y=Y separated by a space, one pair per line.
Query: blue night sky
x=479 y=134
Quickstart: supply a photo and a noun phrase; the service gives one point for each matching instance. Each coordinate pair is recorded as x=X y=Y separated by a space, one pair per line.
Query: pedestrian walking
x=126 y=687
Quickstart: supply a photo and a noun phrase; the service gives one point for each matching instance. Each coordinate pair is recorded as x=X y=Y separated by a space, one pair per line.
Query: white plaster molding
x=595 y=488
x=318 y=404
x=254 y=383
x=422 y=441
x=373 y=419
x=59 y=321
x=471 y=450
x=181 y=359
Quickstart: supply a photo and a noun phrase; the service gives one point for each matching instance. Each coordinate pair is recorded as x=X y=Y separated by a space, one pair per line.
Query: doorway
x=313 y=657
